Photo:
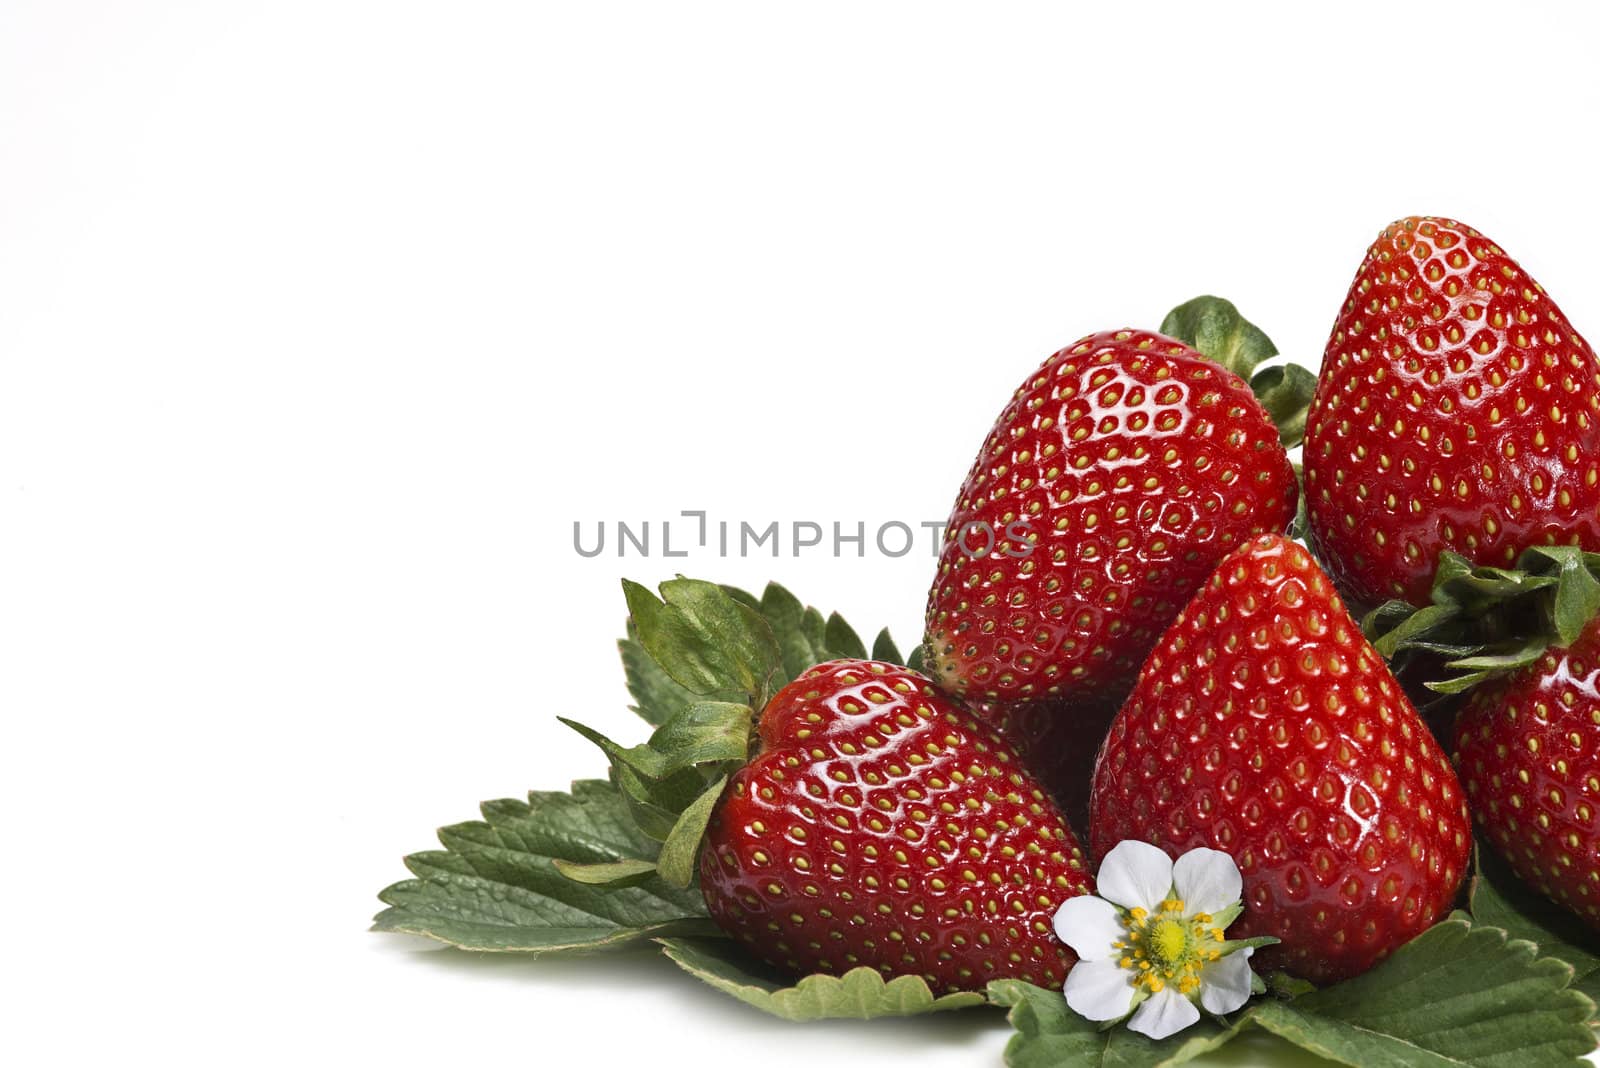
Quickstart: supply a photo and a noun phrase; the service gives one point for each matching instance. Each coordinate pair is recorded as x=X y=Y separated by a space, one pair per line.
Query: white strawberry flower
x=1151 y=943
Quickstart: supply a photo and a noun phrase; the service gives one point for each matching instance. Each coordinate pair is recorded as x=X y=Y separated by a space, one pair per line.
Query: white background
x=320 y=324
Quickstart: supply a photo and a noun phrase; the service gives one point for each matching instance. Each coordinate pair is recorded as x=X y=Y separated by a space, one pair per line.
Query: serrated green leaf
x=842 y=640
x=918 y=659
x=676 y=864
x=1457 y=995
x=1285 y=392
x=496 y=888
x=787 y=618
x=806 y=638
x=705 y=640
x=1050 y=1035
x=664 y=778
x=657 y=698
x=707 y=732
x=858 y=994
x=884 y=649
x=1499 y=899
x=1213 y=327
x=644 y=776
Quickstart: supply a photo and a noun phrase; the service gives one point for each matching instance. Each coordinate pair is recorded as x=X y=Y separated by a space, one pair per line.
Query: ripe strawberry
x=1265 y=726
x=1455 y=409
x=881 y=824
x=1120 y=473
x=1528 y=751
x=1057 y=741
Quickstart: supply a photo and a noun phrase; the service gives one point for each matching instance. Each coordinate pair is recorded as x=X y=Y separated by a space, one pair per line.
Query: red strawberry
x=1455 y=409
x=1265 y=726
x=1057 y=741
x=881 y=824
x=1528 y=751
x=1110 y=486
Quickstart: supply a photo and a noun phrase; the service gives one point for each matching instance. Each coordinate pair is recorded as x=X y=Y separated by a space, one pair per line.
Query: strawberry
x=1455 y=409
x=1057 y=741
x=1122 y=470
x=1265 y=725
x=882 y=824
x=1528 y=752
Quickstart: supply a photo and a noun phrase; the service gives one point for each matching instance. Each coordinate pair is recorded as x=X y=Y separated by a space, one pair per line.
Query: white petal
x=1099 y=990
x=1225 y=983
x=1164 y=1014
x=1207 y=880
x=1135 y=875
x=1089 y=926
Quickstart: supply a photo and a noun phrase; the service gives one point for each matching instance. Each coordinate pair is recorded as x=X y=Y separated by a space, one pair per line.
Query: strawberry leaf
x=1285 y=392
x=666 y=782
x=858 y=994
x=707 y=732
x=1456 y=995
x=1049 y=1034
x=1214 y=328
x=1488 y=621
x=883 y=648
x=1577 y=596
x=798 y=630
x=640 y=773
x=676 y=864
x=608 y=873
x=842 y=640
x=1499 y=899
x=495 y=885
x=804 y=636
x=705 y=640
x=656 y=696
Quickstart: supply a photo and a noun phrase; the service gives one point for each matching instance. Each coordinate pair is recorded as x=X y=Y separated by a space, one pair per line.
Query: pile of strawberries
x=1144 y=652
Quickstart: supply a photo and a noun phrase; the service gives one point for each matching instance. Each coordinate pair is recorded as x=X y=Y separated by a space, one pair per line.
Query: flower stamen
x=1167 y=948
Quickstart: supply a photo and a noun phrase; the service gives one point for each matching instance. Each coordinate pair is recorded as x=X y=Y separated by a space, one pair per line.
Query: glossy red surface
x=1528 y=752
x=1265 y=726
x=1136 y=464
x=1456 y=409
x=882 y=825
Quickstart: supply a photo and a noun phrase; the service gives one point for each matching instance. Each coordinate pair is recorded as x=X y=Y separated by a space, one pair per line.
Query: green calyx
x=1488 y=621
x=1213 y=327
x=702 y=660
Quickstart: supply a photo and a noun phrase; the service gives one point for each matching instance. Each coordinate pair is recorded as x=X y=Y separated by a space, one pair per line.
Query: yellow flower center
x=1168 y=940
x=1168 y=949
